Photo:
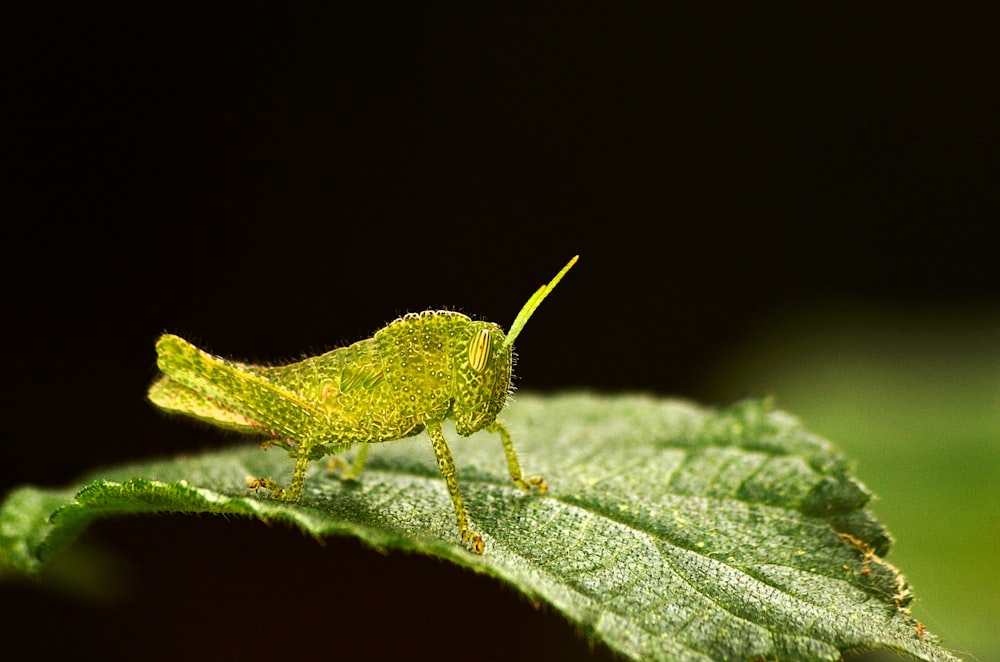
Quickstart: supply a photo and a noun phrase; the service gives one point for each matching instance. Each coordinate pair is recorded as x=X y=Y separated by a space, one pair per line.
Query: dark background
x=277 y=181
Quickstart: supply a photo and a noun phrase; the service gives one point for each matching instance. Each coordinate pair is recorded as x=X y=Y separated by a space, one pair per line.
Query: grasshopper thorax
x=441 y=364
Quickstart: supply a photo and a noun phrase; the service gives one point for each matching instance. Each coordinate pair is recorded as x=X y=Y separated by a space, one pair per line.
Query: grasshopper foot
x=254 y=484
x=536 y=482
x=474 y=540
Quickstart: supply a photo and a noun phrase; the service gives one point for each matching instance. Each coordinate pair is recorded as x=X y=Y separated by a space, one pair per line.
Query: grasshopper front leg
x=513 y=465
x=446 y=465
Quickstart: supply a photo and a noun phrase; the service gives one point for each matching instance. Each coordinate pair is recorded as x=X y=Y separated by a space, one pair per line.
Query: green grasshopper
x=411 y=376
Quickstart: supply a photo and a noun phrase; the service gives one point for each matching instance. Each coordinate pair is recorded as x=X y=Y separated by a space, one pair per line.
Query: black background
x=277 y=181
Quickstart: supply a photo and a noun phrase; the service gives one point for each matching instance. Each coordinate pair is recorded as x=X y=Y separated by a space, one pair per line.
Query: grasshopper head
x=483 y=363
x=482 y=376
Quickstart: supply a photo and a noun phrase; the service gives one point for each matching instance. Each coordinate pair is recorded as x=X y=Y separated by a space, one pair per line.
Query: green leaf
x=669 y=531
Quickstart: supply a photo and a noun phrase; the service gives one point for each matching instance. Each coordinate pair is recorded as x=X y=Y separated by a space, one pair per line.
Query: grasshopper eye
x=480 y=349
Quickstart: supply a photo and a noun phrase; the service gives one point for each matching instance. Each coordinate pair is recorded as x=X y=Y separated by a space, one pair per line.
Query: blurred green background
x=912 y=395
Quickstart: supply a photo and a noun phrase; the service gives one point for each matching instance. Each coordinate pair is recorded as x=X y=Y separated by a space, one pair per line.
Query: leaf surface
x=669 y=531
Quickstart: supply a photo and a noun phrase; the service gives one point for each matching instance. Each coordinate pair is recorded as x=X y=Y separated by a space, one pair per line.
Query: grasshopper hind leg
x=305 y=453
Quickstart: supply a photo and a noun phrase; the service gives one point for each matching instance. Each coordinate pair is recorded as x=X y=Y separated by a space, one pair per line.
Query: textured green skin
x=411 y=376
x=388 y=387
x=415 y=373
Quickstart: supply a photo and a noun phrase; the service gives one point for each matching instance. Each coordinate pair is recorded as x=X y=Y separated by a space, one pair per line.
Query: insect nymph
x=411 y=376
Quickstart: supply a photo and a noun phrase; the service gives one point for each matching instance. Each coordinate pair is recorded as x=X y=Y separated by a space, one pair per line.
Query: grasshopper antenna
x=533 y=303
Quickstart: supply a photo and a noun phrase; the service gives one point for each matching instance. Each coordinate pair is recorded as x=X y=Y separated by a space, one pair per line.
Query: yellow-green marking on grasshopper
x=409 y=377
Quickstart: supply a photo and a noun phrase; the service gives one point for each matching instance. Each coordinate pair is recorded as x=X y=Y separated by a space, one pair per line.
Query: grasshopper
x=410 y=376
